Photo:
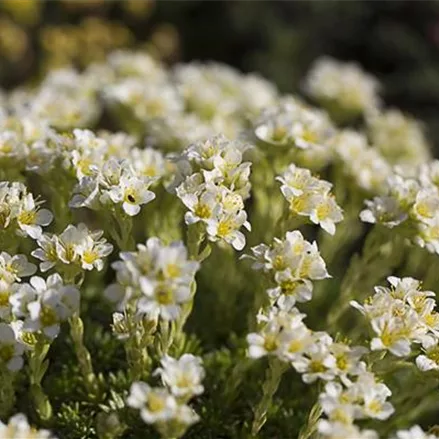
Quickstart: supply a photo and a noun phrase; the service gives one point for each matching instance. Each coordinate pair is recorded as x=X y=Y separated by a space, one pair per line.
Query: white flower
x=13 y=268
x=47 y=251
x=429 y=360
x=18 y=428
x=155 y=404
x=162 y=298
x=414 y=432
x=91 y=253
x=11 y=350
x=54 y=303
x=309 y=196
x=318 y=361
x=384 y=210
x=183 y=376
x=132 y=192
x=226 y=227
x=30 y=218
x=7 y=290
x=345 y=85
x=339 y=430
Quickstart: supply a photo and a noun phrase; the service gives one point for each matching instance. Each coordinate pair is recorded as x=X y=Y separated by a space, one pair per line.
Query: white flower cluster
x=76 y=247
x=167 y=407
x=20 y=211
x=364 y=398
x=111 y=172
x=12 y=270
x=343 y=86
x=310 y=197
x=215 y=188
x=19 y=428
x=360 y=162
x=351 y=391
x=300 y=129
x=401 y=315
x=398 y=137
x=414 y=432
x=157 y=278
x=43 y=304
x=411 y=203
x=66 y=99
x=291 y=264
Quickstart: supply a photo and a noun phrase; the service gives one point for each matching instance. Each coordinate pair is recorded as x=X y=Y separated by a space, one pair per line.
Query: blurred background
x=398 y=41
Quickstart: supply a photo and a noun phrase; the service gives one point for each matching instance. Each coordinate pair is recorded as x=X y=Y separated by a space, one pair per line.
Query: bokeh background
x=398 y=41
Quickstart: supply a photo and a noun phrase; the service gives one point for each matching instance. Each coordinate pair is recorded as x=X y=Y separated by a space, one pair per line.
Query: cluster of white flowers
x=291 y=264
x=157 y=278
x=351 y=391
x=111 y=172
x=75 y=247
x=310 y=197
x=20 y=211
x=343 y=86
x=214 y=190
x=19 y=428
x=66 y=99
x=414 y=432
x=401 y=315
x=360 y=162
x=12 y=270
x=411 y=203
x=43 y=304
x=167 y=407
x=398 y=137
x=299 y=129
x=363 y=398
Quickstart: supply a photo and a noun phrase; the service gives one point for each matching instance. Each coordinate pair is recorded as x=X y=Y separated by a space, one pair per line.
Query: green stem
x=276 y=369
x=311 y=425
x=83 y=355
x=37 y=368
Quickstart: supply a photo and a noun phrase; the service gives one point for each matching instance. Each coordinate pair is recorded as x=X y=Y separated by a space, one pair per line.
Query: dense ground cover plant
x=186 y=252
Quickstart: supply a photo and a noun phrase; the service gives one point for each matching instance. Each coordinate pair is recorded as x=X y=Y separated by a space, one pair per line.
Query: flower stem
x=83 y=355
x=37 y=367
x=273 y=376
x=311 y=425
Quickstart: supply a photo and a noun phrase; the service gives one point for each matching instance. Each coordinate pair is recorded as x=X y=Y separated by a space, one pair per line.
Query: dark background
x=398 y=41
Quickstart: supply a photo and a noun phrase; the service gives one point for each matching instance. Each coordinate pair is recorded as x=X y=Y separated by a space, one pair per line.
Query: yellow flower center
x=164 y=295
x=289 y=287
x=317 y=366
x=48 y=317
x=130 y=196
x=224 y=228
x=90 y=256
x=172 y=270
x=342 y=362
x=309 y=136
x=424 y=210
x=375 y=406
x=155 y=403
x=323 y=211
x=271 y=343
x=4 y=298
x=202 y=210
x=295 y=346
x=279 y=133
x=27 y=217
x=279 y=263
x=298 y=204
